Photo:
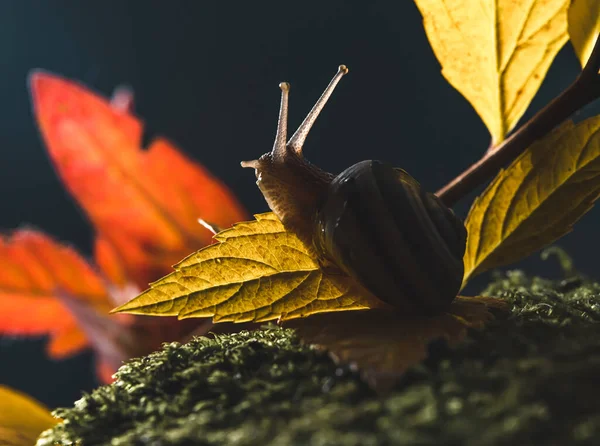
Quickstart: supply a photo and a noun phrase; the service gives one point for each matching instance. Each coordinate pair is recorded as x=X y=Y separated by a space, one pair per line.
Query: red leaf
x=109 y=262
x=33 y=267
x=117 y=339
x=146 y=203
x=67 y=342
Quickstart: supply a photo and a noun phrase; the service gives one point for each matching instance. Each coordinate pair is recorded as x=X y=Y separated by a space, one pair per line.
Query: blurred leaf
x=584 y=27
x=145 y=204
x=22 y=419
x=537 y=199
x=117 y=338
x=257 y=272
x=33 y=267
x=496 y=52
x=384 y=344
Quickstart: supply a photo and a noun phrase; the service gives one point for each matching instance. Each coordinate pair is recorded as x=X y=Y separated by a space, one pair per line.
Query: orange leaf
x=33 y=267
x=109 y=262
x=66 y=342
x=104 y=371
x=146 y=203
x=117 y=338
x=384 y=344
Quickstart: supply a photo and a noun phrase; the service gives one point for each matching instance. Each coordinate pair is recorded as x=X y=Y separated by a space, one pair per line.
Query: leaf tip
x=40 y=81
x=121 y=308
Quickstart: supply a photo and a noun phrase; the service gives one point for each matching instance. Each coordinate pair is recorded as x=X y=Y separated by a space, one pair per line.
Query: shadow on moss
x=530 y=378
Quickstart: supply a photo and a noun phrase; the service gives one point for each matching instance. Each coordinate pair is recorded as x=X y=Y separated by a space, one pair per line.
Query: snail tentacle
x=279 y=147
x=297 y=140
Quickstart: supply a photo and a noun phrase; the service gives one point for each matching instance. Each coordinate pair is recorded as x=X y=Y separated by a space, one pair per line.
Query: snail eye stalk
x=280 y=148
x=297 y=140
x=281 y=136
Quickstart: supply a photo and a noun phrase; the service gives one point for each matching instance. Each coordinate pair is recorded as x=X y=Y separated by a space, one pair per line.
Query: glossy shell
x=398 y=241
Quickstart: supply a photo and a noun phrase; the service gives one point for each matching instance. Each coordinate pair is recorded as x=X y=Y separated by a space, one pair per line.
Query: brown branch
x=584 y=90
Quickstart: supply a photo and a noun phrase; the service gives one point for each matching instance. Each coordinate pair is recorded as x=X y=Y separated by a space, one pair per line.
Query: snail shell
x=372 y=221
x=398 y=241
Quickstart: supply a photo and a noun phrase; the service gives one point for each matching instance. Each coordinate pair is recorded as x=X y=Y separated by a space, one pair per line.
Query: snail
x=373 y=221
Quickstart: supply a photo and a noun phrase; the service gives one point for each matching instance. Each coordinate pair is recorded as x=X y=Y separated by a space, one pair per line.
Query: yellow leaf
x=496 y=52
x=584 y=27
x=22 y=419
x=537 y=199
x=384 y=344
x=257 y=272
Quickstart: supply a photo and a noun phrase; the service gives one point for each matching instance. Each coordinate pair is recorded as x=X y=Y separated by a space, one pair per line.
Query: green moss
x=529 y=378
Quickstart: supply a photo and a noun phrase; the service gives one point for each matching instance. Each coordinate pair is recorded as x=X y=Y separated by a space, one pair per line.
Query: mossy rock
x=530 y=378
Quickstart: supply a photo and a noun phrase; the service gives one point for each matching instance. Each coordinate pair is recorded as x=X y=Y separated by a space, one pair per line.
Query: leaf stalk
x=584 y=90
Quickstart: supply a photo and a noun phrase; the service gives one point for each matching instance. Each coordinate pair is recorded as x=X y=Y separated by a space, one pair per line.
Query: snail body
x=374 y=222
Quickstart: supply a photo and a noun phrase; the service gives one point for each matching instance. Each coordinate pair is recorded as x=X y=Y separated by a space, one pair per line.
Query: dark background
x=205 y=75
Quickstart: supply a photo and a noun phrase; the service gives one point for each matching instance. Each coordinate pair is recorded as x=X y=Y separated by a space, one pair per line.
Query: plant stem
x=585 y=89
